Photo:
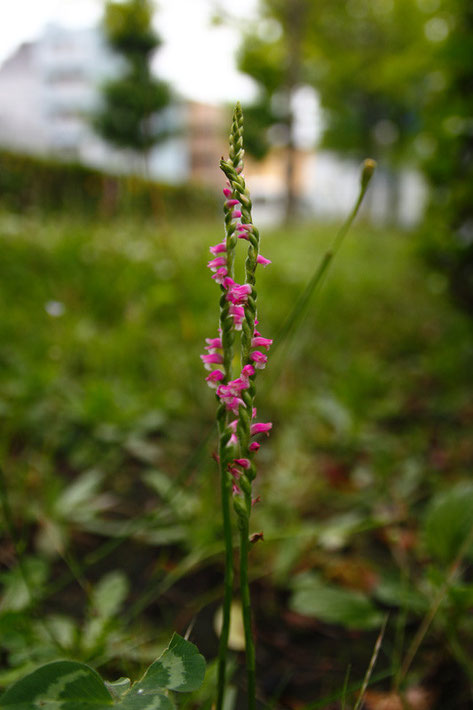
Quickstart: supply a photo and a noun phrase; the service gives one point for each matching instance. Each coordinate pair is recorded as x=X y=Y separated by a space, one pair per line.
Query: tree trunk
x=295 y=18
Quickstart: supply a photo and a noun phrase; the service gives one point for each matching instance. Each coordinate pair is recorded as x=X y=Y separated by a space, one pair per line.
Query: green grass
x=370 y=402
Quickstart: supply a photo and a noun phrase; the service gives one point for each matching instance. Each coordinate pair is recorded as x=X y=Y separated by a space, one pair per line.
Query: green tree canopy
x=130 y=113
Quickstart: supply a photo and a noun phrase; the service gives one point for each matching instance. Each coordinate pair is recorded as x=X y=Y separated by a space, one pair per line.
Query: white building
x=49 y=90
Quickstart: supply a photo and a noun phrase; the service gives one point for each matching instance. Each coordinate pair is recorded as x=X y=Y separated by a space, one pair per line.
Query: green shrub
x=29 y=183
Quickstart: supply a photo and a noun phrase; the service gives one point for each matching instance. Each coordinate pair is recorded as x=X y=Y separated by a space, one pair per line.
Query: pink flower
x=214 y=378
x=254 y=446
x=244 y=463
x=220 y=275
x=259 y=358
x=236 y=214
x=233 y=441
x=233 y=404
x=231 y=203
x=218 y=248
x=239 y=294
x=236 y=473
x=259 y=342
x=227 y=192
x=228 y=282
x=248 y=371
x=213 y=343
x=261 y=260
x=238 y=314
x=232 y=388
x=212 y=359
x=261 y=428
x=215 y=264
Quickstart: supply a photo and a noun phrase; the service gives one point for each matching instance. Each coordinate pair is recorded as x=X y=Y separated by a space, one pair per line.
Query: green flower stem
x=224 y=452
x=294 y=319
x=243 y=522
x=226 y=492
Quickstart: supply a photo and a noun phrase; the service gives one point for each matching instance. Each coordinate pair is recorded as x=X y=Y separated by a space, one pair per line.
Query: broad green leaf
x=449 y=522
x=109 y=594
x=75 y=499
x=20 y=583
x=333 y=605
x=396 y=592
x=61 y=685
x=181 y=668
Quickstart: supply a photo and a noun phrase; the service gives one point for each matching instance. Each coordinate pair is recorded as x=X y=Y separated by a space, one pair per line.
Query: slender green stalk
x=435 y=606
x=369 y=672
x=295 y=317
x=226 y=492
x=246 y=609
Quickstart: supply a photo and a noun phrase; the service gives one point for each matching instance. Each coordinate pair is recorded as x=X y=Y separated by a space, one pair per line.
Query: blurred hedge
x=30 y=183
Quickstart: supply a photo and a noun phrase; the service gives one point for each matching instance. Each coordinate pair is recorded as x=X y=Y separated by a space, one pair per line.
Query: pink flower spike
x=259 y=358
x=244 y=463
x=261 y=260
x=261 y=428
x=236 y=214
x=216 y=263
x=259 y=342
x=218 y=248
x=227 y=192
x=254 y=446
x=214 y=378
x=231 y=203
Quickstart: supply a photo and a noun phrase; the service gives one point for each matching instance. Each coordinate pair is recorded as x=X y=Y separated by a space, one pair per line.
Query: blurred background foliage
x=108 y=485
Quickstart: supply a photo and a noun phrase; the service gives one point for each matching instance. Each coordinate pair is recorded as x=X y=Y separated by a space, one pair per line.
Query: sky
x=197 y=57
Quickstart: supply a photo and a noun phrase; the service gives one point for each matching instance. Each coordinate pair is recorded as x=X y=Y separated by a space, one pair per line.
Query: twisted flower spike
x=236 y=412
